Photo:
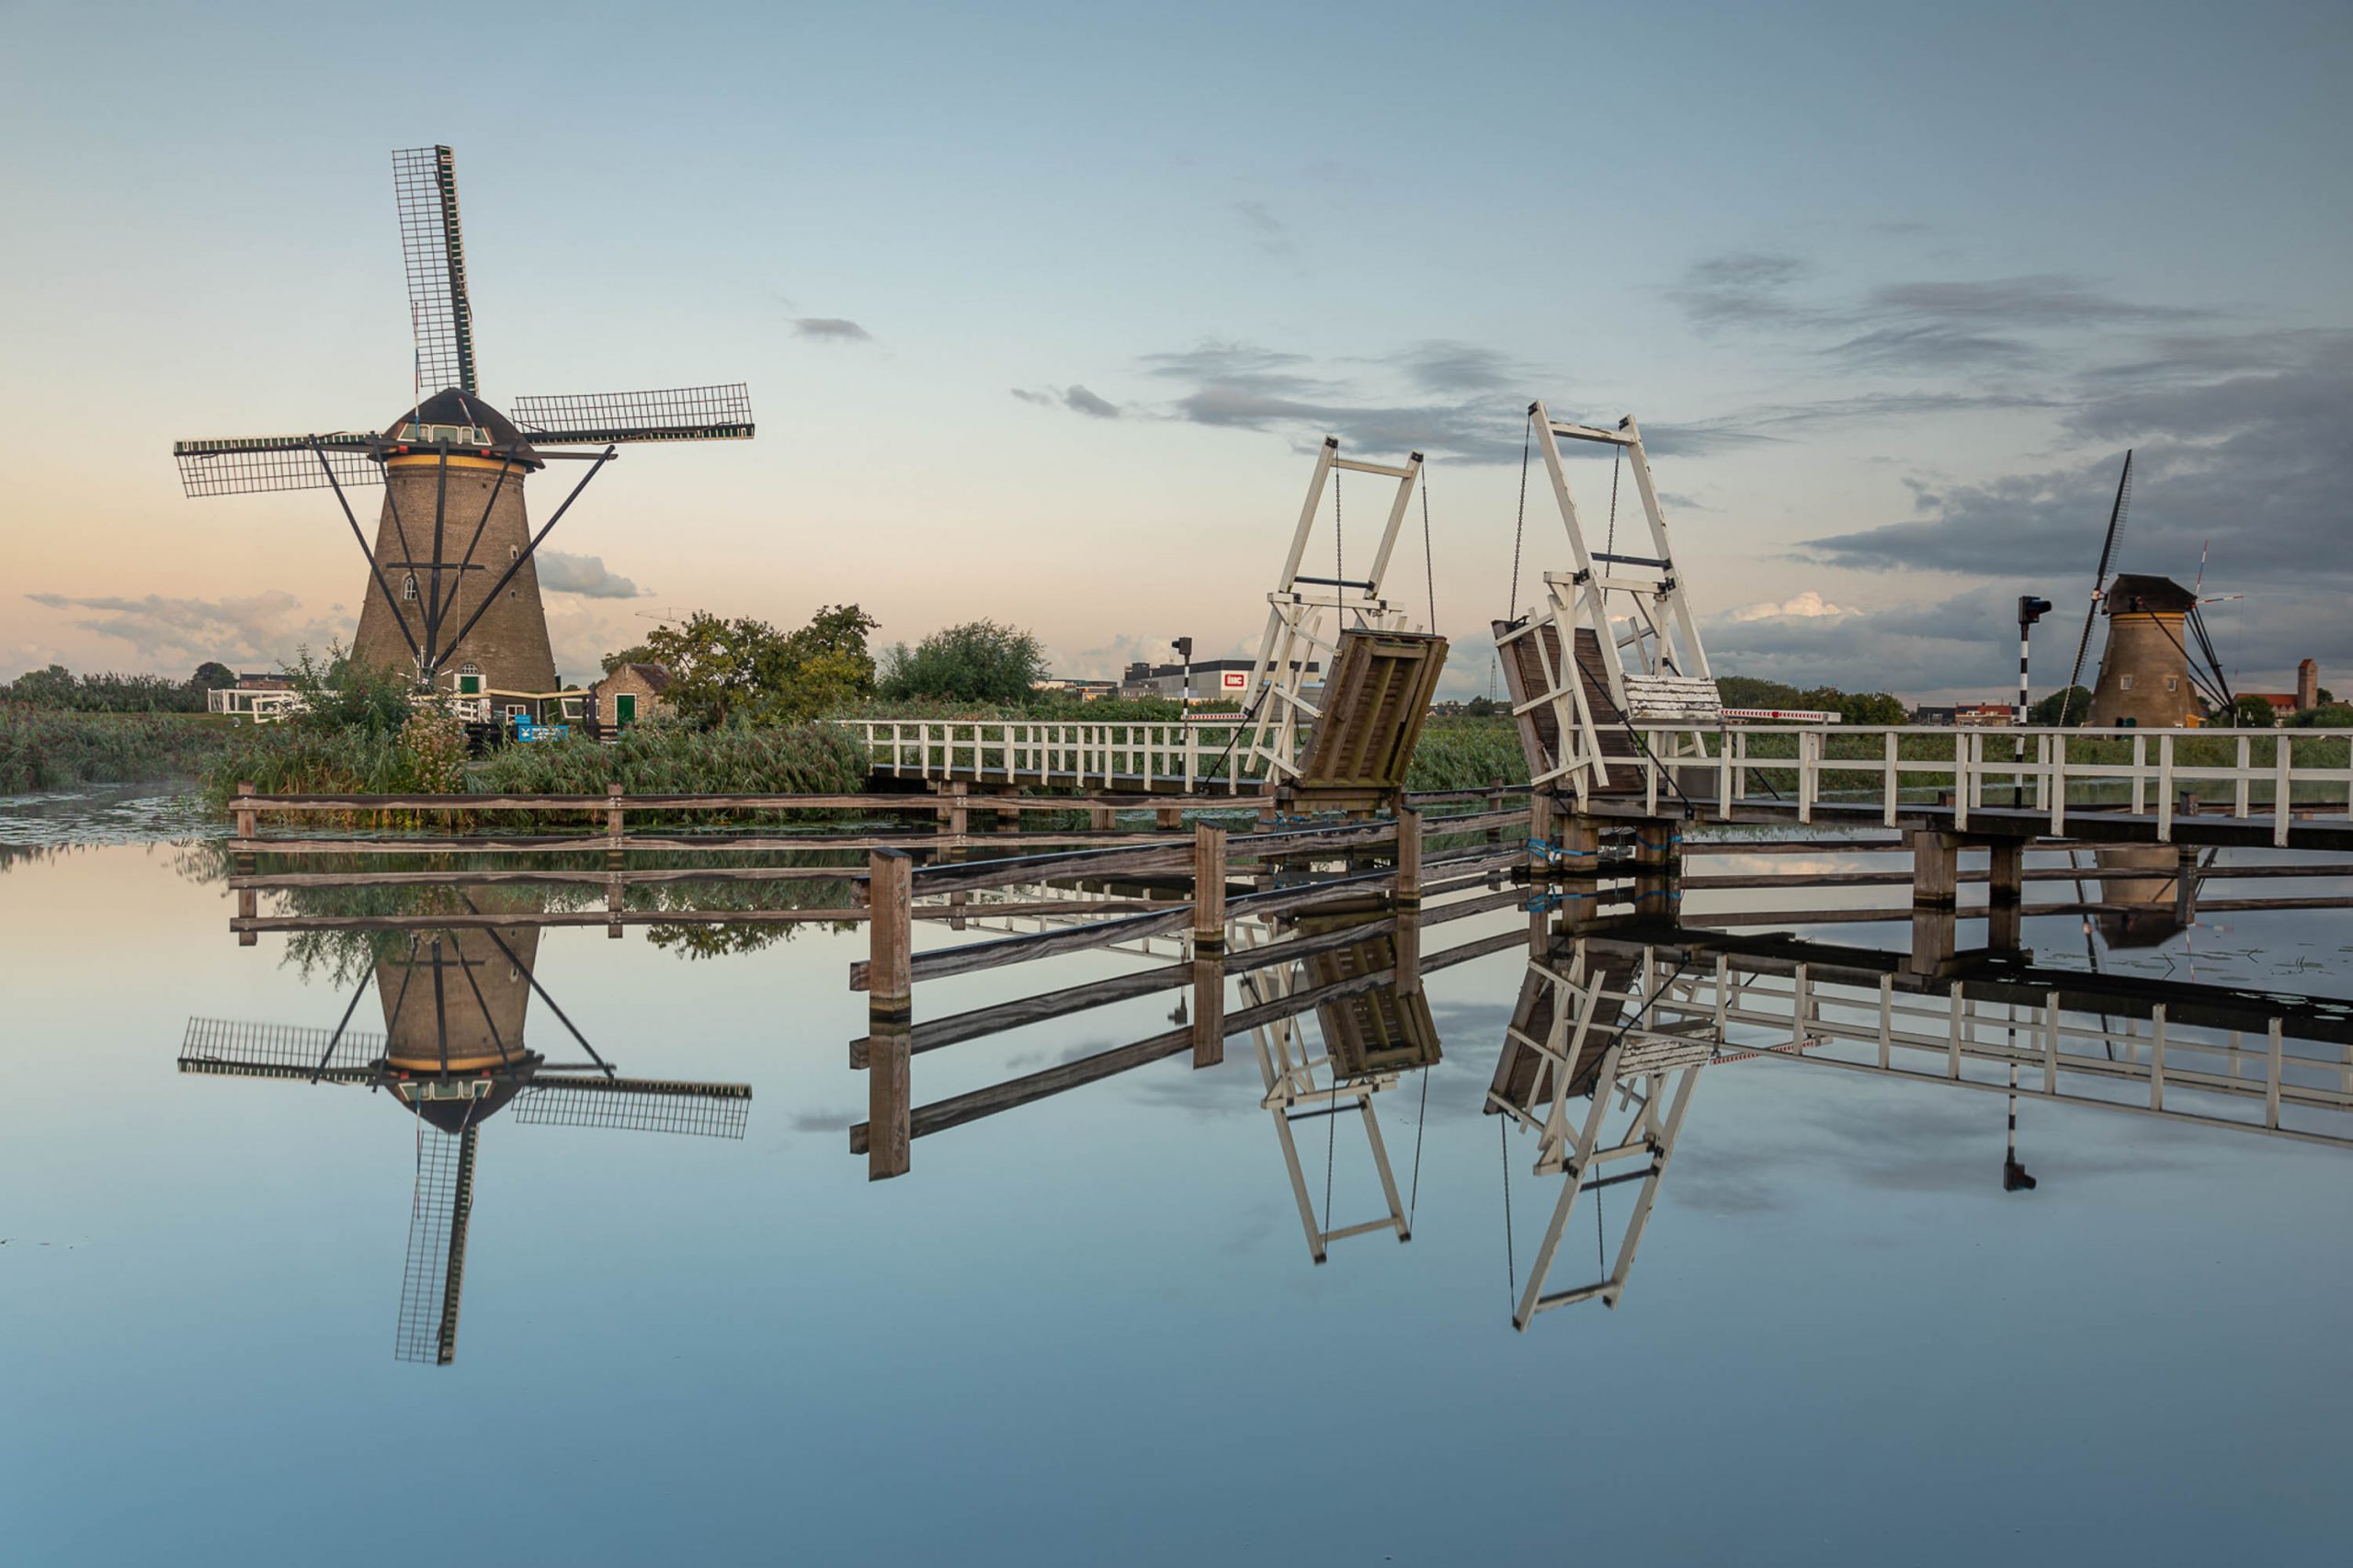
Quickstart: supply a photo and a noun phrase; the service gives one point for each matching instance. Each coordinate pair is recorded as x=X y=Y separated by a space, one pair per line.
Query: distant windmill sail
x=433 y=254
x=2099 y=582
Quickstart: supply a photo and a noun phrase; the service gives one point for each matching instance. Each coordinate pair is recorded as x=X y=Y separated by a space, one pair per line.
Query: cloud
x=1076 y=398
x=253 y=629
x=1268 y=232
x=2040 y=300
x=2256 y=460
x=1447 y=365
x=583 y=575
x=1807 y=605
x=1742 y=288
x=831 y=329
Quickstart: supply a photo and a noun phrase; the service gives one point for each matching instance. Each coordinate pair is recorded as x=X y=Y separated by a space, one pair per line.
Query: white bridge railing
x=2067 y=770
x=1202 y=754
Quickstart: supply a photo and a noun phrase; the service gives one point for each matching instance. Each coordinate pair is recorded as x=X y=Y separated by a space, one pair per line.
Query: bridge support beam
x=1579 y=841
x=1409 y=892
x=889 y=1011
x=1208 y=1010
x=1657 y=869
x=1936 y=868
x=1208 y=889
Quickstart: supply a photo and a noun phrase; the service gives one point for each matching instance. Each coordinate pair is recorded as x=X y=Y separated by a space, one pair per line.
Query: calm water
x=1089 y=1329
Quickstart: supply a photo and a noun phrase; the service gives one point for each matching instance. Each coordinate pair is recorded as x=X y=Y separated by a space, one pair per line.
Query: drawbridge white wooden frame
x=1649 y=1067
x=1657 y=669
x=1306 y=614
x=1301 y=1086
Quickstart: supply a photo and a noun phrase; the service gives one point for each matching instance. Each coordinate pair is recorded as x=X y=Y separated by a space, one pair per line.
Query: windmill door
x=625 y=708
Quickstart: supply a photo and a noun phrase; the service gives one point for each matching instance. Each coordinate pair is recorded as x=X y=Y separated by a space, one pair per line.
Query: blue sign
x=525 y=730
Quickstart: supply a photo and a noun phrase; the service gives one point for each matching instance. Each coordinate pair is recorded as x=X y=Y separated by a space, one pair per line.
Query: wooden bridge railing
x=1804 y=766
x=1202 y=753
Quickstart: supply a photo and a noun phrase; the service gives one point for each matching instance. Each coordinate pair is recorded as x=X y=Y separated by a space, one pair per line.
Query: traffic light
x=2031 y=609
x=1183 y=646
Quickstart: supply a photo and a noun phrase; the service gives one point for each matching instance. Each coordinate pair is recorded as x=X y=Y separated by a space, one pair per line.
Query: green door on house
x=624 y=708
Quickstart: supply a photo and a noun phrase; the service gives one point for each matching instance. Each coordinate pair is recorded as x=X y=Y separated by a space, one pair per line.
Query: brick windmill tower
x=453 y=595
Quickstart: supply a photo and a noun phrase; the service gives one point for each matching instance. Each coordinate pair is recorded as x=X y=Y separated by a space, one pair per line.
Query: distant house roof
x=656 y=677
x=2134 y=592
x=2283 y=699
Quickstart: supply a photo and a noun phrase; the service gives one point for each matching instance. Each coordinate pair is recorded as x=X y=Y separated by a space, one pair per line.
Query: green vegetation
x=746 y=671
x=47 y=748
x=977 y=662
x=60 y=689
x=1852 y=707
x=2075 y=701
x=1466 y=752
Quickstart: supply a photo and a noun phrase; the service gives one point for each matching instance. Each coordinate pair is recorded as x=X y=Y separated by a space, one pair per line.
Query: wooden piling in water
x=1936 y=868
x=1209 y=1011
x=890 y=906
x=1409 y=892
x=1208 y=888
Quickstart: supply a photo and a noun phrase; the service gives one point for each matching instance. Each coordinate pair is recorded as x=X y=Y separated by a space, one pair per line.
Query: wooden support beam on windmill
x=1379 y=674
x=1612 y=644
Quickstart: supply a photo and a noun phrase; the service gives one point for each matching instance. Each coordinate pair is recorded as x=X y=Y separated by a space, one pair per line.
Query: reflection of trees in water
x=342 y=956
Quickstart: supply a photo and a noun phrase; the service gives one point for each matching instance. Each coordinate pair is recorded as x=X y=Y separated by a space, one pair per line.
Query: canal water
x=1089 y=1329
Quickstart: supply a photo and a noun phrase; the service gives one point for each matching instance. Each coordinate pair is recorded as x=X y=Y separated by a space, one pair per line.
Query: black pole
x=433 y=599
x=373 y=570
x=337 y=1039
x=467 y=561
x=529 y=550
x=539 y=991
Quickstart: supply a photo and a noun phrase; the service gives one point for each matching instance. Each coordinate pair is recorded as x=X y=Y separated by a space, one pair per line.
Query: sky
x=1044 y=309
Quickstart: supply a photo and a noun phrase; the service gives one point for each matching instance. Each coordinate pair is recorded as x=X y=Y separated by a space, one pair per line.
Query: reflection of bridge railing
x=1012 y=751
x=1810 y=771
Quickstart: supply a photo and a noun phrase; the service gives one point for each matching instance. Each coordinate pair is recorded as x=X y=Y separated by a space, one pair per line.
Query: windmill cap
x=2132 y=593
x=464 y=420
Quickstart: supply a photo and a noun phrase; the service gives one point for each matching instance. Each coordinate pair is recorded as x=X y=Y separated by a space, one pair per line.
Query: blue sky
x=1893 y=289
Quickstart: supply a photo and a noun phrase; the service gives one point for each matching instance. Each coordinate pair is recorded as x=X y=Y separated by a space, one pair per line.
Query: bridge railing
x=2059 y=771
x=1201 y=754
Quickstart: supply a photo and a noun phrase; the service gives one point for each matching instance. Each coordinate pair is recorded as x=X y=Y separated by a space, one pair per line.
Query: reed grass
x=50 y=748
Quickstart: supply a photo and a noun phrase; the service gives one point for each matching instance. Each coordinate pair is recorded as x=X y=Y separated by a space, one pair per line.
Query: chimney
x=2307 y=686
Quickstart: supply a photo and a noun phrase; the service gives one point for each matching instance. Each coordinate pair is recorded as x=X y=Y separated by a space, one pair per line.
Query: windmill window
x=408 y=585
x=514 y=553
x=2173 y=683
x=2125 y=683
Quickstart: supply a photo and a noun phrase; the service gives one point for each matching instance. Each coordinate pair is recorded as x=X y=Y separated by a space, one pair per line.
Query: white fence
x=1199 y=753
x=2062 y=770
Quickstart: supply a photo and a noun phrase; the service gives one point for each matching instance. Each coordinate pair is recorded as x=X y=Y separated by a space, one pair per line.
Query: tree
x=638 y=654
x=2329 y=715
x=212 y=676
x=2253 y=713
x=977 y=662
x=1871 y=708
x=723 y=671
x=2075 y=699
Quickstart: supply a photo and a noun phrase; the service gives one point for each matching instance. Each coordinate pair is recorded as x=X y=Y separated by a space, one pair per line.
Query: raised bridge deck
x=1201 y=756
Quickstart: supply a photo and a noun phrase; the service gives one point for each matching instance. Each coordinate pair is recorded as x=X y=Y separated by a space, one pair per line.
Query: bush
x=977 y=662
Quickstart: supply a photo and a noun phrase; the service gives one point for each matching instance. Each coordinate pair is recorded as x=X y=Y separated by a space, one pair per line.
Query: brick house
x=631 y=695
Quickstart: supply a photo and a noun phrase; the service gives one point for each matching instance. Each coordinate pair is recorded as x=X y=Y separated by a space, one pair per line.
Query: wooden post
x=1208 y=888
x=1208 y=1010
x=1408 y=894
x=2006 y=892
x=1494 y=802
x=890 y=1101
x=889 y=901
x=2185 y=885
x=1408 y=968
x=613 y=893
x=1932 y=939
x=956 y=809
x=1580 y=842
x=247 y=815
x=1100 y=819
x=1654 y=867
x=248 y=907
x=1936 y=868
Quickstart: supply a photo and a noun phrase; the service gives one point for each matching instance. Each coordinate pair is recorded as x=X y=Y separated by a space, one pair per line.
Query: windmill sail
x=434 y=1276
x=433 y=253
x=2099 y=583
x=242 y=1049
x=637 y=1104
x=242 y=465
x=677 y=413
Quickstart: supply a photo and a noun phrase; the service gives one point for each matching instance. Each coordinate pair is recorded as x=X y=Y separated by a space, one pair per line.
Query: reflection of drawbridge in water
x=452 y=1052
x=1618 y=1021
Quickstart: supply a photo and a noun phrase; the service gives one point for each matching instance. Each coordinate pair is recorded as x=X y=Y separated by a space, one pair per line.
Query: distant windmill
x=456 y=594
x=2148 y=675
x=452 y=1052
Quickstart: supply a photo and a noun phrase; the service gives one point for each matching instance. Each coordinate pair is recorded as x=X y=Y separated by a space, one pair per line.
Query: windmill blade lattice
x=246 y=465
x=434 y=1276
x=637 y=1104
x=677 y=413
x=242 y=1049
x=433 y=254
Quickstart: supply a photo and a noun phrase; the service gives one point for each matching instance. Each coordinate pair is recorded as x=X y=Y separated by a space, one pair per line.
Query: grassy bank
x=47 y=748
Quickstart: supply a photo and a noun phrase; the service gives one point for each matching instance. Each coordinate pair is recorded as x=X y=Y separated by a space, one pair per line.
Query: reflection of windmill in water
x=454 y=1004
x=453 y=591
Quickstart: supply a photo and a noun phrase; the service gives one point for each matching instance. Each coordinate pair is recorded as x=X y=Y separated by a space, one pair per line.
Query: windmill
x=452 y=1053
x=453 y=589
